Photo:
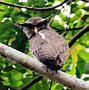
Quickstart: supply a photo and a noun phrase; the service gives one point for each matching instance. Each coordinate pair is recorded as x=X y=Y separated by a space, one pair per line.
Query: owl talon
x=54 y=71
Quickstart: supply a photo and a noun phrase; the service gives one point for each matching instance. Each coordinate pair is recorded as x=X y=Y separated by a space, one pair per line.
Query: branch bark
x=33 y=8
x=37 y=66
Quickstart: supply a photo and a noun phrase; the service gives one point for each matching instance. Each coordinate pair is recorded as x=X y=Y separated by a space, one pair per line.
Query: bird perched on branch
x=48 y=46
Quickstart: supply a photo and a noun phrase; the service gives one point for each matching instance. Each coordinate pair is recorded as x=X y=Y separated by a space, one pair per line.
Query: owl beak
x=35 y=30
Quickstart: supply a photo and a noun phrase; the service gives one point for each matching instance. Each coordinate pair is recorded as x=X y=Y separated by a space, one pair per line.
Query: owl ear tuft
x=48 y=19
x=21 y=24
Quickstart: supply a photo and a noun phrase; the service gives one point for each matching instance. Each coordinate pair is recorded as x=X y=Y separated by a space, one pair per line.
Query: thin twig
x=32 y=8
x=31 y=83
x=50 y=87
x=78 y=35
x=69 y=29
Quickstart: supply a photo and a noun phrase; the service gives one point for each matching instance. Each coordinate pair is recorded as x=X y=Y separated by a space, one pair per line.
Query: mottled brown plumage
x=48 y=46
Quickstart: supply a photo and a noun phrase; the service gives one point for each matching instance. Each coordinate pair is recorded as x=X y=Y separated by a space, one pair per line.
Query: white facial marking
x=42 y=35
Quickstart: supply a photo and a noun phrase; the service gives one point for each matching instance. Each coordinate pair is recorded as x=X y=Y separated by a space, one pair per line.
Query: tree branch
x=33 y=8
x=37 y=66
x=78 y=35
x=69 y=29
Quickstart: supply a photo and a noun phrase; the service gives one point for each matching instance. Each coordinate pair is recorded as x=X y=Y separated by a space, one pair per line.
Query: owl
x=47 y=46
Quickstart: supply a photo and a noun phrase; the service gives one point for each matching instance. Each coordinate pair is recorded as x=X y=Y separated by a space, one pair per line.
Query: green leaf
x=16 y=84
x=84 y=55
x=87 y=20
x=86 y=79
x=37 y=3
x=87 y=67
x=74 y=18
x=80 y=66
x=62 y=16
x=74 y=8
x=11 y=1
x=84 y=40
x=78 y=12
x=15 y=75
x=56 y=25
x=66 y=66
x=82 y=5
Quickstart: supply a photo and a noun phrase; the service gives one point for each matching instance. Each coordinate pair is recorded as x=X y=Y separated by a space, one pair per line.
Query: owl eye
x=30 y=26
x=41 y=24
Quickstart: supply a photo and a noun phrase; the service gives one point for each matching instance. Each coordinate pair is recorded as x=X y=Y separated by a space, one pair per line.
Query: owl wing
x=58 y=43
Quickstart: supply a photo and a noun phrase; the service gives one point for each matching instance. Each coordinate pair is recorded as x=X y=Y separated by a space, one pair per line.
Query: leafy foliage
x=14 y=76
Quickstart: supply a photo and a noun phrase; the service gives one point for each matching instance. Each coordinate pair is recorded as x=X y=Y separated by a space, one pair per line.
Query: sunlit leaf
x=84 y=55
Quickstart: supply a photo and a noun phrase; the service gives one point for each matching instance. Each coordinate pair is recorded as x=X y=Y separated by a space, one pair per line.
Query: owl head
x=34 y=25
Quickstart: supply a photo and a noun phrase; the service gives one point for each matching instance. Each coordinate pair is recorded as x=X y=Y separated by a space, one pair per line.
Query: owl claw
x=54 y=71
